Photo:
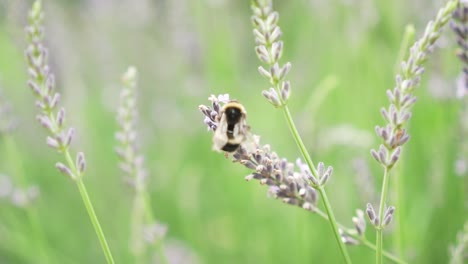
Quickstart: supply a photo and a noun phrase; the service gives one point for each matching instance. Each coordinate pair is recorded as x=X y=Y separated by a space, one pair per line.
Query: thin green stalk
x=158 y=245
x=321 y=190
x=128 y=154
x=386 y=254
x=42 y=84
x=408 y=38
x=398 y=234
x=137 y=219
x=362 y=239
x=379 y=228
x=89 y=208
x=397 y=189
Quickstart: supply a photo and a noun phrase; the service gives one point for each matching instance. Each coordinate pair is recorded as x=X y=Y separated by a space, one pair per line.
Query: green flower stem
x=386 y=254
x=361 y=239
x=321 y=190
x=379 y=228
x=397 y=188
x=408 y=38
x=89 y=208
x=398 y=234
x=137 y=225
x=158 y=245
x=31 y=211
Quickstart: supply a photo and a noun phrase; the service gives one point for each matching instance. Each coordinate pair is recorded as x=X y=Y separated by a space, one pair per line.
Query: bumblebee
x=232 y=127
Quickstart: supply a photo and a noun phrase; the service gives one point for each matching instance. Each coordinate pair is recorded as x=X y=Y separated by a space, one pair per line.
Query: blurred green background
x=343 y=50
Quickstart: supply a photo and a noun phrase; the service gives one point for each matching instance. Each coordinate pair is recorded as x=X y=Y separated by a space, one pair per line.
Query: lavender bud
x=65 y=170
x=370 y=213
x=285 y=90
x=359 y=223
x=276 y=50
x=390 y=96
x=272 y=19
x=390 y=210
x=308 y=206
x=154 y=233
x=385 y=114
x=35 y=88
x=60 y=117
x=80 y=162
x=264 y=72
x=302 y=192
x=70 y=135
x=55 y=100
x=263 y=54
x=348 y=240
x=376 y=221
x=259 y=38
x=275 y=71
x=45 y=122
x=249 y=164
x=383 y=154
x=53 y=143
x=273 y=191
x=320 y=169
x=314 y=180
x=375 y=155
x=272 y=96
x=120 y=152
x=387 y=220
x=395 y=156
x=324 y=179
x=274 y=37
x=50 y=83
x=284 y=70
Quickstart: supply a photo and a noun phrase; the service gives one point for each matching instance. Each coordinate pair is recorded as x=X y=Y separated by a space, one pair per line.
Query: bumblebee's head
x=234 y=111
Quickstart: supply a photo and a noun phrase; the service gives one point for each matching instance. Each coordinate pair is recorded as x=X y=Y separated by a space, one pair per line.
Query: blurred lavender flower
x=19 y=197
x=131 y=163
x=24 y=197
x=154 y=233
x=284 y=182
x=359 y=222
x=177 y=252
x=6 y=186
x=459 y=251
x=459 y=25
x=42 y=84
x=364 y=180
x=7 y=121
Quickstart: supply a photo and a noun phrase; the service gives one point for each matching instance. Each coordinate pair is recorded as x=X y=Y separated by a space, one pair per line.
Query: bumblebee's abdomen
x=230 y=147
x=230 y=131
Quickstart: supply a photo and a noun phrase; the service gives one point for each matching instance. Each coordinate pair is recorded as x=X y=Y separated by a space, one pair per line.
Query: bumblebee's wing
x=220 y=138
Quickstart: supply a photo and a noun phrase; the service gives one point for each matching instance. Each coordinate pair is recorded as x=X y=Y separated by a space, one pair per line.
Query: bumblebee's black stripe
x=233 y=116
x=230 y=131
x=230 y=147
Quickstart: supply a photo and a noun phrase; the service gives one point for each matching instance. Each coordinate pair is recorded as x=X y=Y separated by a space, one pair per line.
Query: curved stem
x=397 y=188
x=379 y=228
x=361 y=239
x=159 y=245
x=90 y=209
x=321 y=190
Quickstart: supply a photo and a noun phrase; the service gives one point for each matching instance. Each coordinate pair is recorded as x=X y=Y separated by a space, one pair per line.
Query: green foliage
x=187 y=50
